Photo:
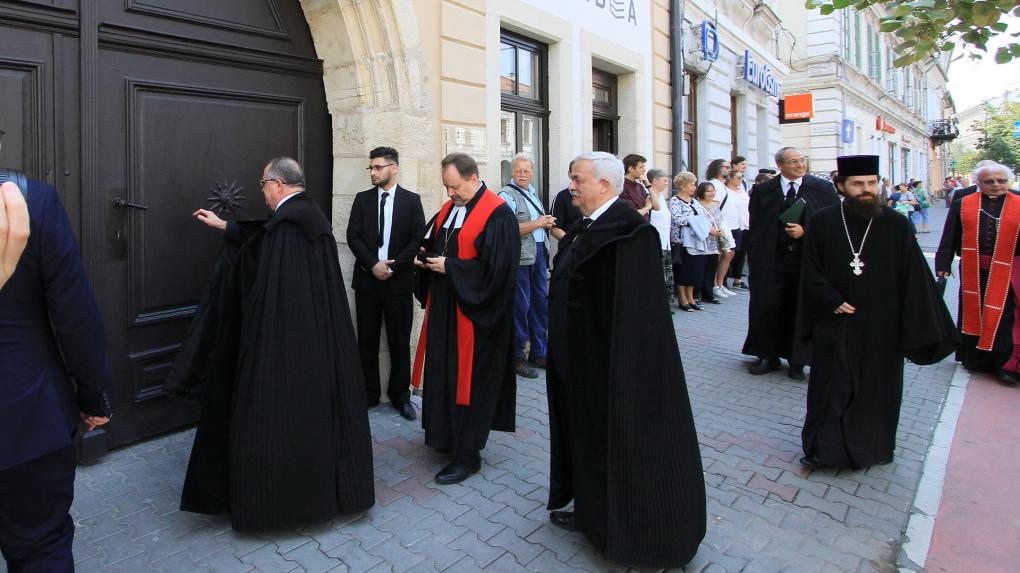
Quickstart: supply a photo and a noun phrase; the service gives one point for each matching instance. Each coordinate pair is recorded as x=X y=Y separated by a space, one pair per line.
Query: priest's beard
x=864 y=206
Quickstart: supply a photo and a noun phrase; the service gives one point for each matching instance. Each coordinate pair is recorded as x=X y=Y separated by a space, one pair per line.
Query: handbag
x=676 y=253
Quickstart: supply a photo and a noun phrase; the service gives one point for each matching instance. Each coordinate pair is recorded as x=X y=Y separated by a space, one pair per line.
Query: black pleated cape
x=624 y=446
x=856 y=383
x=283 y=438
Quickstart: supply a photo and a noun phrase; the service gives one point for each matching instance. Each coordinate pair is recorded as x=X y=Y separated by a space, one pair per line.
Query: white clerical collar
x=391 y=190
x=786 y=182
x=285 y=199
x=605 y=206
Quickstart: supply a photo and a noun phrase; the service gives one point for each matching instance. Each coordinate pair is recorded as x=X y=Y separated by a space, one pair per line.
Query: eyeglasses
x=262 y=182
x=797 y=161
x=379 y=167
x=995 y=181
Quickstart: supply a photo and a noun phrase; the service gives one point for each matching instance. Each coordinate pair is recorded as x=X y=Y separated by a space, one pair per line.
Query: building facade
x=862 y=103
x=734 y=75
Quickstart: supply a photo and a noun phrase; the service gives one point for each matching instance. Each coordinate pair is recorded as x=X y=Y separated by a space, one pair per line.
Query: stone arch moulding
x=375 y=78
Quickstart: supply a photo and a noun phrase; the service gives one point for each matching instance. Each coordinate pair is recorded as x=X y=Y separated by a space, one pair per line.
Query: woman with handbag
x=688 y=233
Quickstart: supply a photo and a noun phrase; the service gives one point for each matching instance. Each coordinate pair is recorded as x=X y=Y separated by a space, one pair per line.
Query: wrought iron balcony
x=943 y=130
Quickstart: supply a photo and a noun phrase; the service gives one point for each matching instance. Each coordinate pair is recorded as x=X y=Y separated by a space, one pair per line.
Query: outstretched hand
x=14 y=229
x=210 y=219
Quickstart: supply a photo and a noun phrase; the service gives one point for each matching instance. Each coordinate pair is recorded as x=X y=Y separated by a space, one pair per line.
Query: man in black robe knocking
x=283 y=439
x=465 y=278
x=623 y=442
x=868 y=300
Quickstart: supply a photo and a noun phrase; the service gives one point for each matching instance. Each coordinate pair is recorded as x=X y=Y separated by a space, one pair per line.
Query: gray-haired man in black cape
x=616 y=384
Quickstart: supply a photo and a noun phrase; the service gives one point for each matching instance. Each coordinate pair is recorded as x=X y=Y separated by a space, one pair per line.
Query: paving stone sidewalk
x=766 y=513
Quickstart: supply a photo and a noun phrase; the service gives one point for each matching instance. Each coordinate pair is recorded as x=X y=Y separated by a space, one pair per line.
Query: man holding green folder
x=780 y=211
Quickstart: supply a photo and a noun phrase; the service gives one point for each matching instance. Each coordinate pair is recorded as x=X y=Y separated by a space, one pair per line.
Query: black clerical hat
x=767 y=171
x=850 y=165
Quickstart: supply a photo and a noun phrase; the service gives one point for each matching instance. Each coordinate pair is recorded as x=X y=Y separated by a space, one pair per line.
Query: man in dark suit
x=384 y=233
x=774 y=259
x=50 y=332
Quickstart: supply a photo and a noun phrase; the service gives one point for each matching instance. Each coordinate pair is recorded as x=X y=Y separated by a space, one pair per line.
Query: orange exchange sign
x=799 y=106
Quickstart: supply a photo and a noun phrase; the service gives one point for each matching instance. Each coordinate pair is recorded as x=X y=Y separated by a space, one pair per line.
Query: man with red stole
x=982 y=230
x=465 y=278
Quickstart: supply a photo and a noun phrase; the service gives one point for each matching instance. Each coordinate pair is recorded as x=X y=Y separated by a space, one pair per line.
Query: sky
x=972 y=82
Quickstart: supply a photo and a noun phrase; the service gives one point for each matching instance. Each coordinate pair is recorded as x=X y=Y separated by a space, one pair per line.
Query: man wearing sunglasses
x=982 y=229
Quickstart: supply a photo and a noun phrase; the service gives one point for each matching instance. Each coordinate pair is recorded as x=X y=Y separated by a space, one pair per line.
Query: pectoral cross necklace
x=857 y=264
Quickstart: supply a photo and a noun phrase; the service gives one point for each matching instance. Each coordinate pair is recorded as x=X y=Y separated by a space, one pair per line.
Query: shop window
x=605 y=112
x=524 y=106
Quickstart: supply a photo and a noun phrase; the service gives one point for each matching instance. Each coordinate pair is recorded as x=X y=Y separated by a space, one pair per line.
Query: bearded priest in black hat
x=868 y=301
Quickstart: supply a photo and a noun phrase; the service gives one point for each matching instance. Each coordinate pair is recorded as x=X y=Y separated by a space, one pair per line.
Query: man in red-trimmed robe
x=982 y=230
x=465 y=278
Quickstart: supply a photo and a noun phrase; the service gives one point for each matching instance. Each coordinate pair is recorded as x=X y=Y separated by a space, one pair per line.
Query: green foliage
x=927 y=27
x=997 y=141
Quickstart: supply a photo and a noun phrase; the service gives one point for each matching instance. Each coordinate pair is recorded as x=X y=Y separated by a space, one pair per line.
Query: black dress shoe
x=525 y=371
x=810 y=461
x=764 y=366
x=696 y=306
x=456 y=472
x=406 y=410
x=564 y=519
x=537 y=362
x=796 y=372
x=1006 y=378
x=686 y=308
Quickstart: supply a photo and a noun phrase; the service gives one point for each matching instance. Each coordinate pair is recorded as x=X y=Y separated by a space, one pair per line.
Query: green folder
x=795 y=213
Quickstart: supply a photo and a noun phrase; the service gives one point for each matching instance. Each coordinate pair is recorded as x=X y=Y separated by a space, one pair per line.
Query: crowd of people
x=275 y=356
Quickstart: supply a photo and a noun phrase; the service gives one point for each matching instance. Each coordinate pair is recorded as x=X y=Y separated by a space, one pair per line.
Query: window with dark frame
x=524 y=107
x=604 y=111
x=690 y=151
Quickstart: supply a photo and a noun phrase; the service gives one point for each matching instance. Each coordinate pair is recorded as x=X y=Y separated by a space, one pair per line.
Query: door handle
x=124 y=204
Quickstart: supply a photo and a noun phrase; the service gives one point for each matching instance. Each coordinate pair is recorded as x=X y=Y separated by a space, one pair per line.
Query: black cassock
x=856 y=383
x=622 y=434
x=484 y=288
x=283 y=438
x=950 y=247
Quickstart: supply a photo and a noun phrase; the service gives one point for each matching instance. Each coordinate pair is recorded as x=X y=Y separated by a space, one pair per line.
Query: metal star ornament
x=226 y=198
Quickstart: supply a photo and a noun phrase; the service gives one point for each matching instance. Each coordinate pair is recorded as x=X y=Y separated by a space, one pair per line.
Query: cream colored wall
x=662 y=95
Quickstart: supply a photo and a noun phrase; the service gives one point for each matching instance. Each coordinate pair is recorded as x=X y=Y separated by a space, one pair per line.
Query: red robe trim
x=983 y=320
x=474 y=222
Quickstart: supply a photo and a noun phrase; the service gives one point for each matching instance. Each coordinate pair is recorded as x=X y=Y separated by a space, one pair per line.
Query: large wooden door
x=180 y=102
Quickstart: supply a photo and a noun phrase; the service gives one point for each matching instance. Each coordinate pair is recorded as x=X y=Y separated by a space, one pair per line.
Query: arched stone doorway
x=375 y=75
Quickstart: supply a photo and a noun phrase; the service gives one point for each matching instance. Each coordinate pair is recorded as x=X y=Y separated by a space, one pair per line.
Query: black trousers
x=782 y=303
x=396 y=310
x=36 y=530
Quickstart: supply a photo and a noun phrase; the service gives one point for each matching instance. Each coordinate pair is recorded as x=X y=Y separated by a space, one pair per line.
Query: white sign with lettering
x=760 y=75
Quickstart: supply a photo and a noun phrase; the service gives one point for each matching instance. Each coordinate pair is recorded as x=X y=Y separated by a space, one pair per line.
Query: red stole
x=474 y=222
x=983 y=320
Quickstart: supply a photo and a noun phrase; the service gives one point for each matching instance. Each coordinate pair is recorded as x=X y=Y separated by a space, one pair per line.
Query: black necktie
x=382 y=217
x=791 y=194
x=585 y=223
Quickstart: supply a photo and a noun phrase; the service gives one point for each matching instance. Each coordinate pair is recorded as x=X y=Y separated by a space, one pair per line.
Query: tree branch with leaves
x=928 y=27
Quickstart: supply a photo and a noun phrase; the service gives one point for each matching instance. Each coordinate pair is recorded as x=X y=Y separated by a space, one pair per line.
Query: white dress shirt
x=384 y=250
x=786 y=184
x=605 y=206
x=285 y=199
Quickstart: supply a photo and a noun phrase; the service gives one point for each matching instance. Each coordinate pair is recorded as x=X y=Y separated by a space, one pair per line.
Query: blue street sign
x=847 y=131
x=1016 y=129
